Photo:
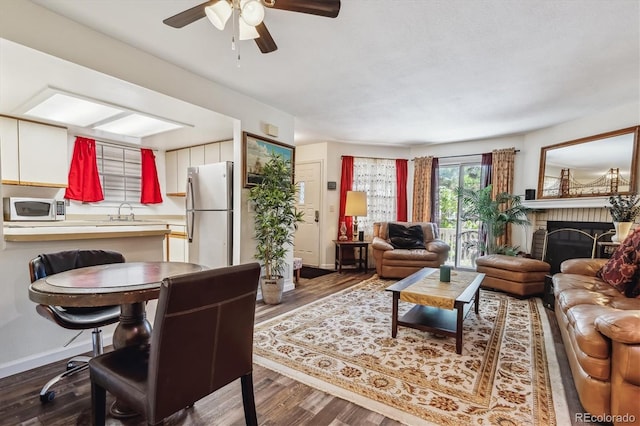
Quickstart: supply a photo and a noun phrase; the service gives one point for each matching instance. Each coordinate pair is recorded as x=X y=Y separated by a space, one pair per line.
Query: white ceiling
x=406 y=71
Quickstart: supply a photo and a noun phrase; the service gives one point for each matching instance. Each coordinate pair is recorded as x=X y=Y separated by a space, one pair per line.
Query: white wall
x=605 y=121
x=330 y=153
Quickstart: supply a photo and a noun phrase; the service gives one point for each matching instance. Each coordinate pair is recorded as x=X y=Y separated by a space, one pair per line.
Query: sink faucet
x=131 y=215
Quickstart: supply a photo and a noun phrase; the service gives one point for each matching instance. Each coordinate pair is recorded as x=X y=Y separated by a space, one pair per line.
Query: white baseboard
x=43 y=358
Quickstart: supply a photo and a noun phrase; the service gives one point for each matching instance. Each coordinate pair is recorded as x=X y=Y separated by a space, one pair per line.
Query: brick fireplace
x=553 y=215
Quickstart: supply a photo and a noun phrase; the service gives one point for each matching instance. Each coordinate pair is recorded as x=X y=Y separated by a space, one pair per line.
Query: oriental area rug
x=342 y=345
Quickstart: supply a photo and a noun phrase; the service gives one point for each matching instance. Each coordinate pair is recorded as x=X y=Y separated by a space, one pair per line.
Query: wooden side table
x=363 y=258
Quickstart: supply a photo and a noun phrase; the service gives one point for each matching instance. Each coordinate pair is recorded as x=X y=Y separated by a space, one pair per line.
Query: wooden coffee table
x=429 y=315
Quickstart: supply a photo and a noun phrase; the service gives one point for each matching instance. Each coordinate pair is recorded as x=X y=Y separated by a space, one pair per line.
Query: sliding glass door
x=462 y=236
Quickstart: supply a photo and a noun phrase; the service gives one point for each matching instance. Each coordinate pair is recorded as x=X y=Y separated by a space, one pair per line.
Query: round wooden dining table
x=128 y=284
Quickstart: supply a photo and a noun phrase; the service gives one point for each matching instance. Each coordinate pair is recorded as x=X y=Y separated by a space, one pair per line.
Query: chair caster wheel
x=47 y=397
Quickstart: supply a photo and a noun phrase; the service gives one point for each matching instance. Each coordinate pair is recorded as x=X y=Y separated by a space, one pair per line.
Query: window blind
x=120 y=172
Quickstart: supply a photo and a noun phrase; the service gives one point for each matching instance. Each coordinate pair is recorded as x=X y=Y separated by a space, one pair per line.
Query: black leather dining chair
x=74 y=318
x=202 y=340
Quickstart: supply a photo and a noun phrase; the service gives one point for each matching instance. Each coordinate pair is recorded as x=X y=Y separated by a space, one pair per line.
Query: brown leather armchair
x=202 y=340
x=393 y=262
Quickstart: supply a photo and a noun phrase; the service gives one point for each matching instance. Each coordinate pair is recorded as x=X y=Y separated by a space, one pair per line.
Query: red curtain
x=346 y=183
x=150 y=193
x=84 y=181
x=401 y=187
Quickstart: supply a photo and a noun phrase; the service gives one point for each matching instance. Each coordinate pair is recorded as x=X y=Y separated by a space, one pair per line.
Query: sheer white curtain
x=377 y=177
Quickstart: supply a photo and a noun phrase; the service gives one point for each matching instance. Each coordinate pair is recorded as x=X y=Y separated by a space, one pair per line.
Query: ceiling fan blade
x=328 y=8
x=265 y=41
x=188 y=16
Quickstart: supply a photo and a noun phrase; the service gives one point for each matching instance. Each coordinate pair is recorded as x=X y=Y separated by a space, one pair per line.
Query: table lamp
x=356 y=205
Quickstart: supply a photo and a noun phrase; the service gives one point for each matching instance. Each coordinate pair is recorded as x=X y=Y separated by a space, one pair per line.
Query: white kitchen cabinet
x=176 y=164
x=171 y=172
x=196 y=155
x=226 y=151
x=177 y=246
x=9 y=150
x=212 y=153
x=42 y=155
x=184 y=161
x=35 y=156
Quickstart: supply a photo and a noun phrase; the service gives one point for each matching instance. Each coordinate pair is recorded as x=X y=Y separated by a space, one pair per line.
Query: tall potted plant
x=624 y=210
x=494 y=215
x=275 y=221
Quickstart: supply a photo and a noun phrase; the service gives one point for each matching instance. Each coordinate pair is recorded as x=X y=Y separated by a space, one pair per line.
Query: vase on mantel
x=622 y=230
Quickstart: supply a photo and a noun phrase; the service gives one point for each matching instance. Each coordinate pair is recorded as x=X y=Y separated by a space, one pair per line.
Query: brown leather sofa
x=600 y=330
x=399 y=263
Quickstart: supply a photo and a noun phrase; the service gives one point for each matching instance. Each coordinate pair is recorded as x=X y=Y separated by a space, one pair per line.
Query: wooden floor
x=279 y=399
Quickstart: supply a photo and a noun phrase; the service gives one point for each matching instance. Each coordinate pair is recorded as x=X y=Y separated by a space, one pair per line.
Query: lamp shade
x=356 y=204
x=218 y=13
x=246 y=32
x=251 y=12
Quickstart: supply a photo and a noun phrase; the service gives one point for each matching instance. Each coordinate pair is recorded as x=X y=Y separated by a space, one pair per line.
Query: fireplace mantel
x=571 y=203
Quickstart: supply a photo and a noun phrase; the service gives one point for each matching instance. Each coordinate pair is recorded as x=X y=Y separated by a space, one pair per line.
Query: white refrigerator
x=209 y=210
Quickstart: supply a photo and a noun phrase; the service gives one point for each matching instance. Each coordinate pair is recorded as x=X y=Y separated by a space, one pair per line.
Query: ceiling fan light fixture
x=251 y=12
x=218 y=13
x=246 y=32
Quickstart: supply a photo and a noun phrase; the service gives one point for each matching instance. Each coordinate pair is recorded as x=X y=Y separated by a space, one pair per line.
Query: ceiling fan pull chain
x=233 y=36
x=236 y=31
x=238 y=57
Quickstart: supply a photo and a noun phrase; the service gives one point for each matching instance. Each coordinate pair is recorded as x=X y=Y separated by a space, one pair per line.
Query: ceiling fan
x=251 y=14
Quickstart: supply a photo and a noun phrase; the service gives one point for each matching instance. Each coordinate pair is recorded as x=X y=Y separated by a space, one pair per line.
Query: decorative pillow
x=623 y=269
x=406 y=237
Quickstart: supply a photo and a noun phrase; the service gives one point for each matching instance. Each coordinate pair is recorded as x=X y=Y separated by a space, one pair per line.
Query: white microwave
x=33 y=209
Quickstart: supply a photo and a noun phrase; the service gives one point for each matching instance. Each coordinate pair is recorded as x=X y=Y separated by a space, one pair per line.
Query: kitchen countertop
x=83 y=223
x=79 y=229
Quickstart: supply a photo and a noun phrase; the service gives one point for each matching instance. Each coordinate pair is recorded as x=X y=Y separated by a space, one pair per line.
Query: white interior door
x=307 y=237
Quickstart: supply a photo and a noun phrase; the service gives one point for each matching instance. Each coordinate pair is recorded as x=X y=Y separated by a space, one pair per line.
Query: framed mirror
x=595 y=166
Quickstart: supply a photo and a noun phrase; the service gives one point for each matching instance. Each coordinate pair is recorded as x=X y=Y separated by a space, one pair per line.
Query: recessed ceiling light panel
x=137 y=125
x=71 y=110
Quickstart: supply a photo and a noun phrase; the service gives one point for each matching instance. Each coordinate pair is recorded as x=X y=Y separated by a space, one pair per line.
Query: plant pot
x=622 y=230
x=272 y=290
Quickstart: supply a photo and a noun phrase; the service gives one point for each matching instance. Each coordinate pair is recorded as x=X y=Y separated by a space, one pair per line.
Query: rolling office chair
x=202 y=340
x=74 y=318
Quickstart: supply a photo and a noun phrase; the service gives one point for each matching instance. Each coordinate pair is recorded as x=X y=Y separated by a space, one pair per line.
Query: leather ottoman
x=520 y=276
